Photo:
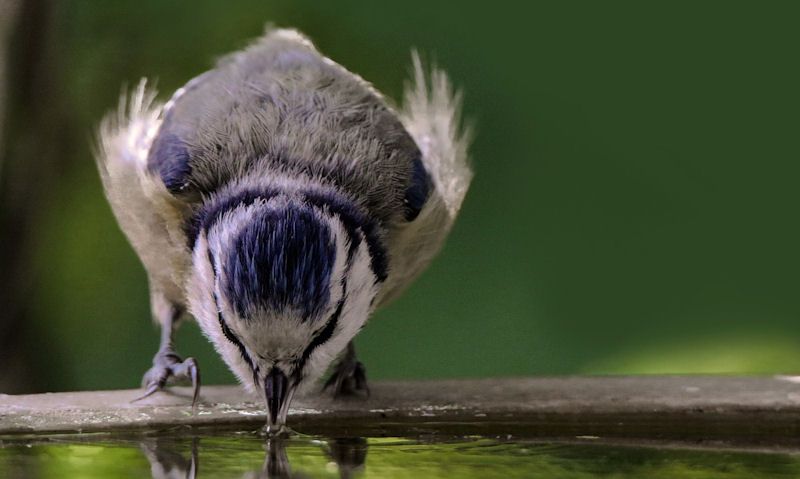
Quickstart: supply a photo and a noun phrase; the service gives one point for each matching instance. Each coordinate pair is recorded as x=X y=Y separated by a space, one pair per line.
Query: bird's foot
x=349 y=378
x=168 y=367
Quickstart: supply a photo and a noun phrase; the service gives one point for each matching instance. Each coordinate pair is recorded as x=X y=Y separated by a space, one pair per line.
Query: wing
x=147 y=213
x=440 y=179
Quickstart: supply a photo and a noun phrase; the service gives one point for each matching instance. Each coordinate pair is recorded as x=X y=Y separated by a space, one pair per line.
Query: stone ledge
x=745 y=410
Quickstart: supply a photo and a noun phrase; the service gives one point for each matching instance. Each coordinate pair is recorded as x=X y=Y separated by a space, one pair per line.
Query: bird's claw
x=169 y=368
x=349 y=378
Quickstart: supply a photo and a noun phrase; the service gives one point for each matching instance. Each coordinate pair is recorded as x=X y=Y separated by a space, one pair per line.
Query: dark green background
x=634 y=208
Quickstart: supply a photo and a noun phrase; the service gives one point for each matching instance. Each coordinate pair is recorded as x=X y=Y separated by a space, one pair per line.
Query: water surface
x=247 y=455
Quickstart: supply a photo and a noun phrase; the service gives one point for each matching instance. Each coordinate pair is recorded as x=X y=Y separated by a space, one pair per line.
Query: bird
x=279 y=200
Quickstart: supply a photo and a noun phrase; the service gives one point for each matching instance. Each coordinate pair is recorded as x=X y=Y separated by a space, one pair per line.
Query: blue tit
x=279 y=199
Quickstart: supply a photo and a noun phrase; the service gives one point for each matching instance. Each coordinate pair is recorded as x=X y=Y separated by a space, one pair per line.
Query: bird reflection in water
x=166 y=462
x=348 y=454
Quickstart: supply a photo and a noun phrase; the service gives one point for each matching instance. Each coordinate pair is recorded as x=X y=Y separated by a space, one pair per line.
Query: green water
x=247 y=455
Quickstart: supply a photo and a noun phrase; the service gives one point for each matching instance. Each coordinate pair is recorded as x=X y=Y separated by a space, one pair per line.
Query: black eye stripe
x=320 y=339
x=226 y=330
x=327 y=332
x=231 y=336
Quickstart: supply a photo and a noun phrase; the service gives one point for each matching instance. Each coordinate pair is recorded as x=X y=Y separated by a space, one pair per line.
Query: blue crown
x=281 y=260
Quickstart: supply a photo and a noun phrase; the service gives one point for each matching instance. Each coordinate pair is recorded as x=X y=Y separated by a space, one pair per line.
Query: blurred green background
x=634 y=208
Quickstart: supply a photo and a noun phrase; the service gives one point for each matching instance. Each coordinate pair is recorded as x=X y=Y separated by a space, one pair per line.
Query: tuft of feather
x=432 y=115
x=126 y=135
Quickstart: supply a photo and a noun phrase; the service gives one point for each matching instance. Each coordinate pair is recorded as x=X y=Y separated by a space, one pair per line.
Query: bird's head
x=280 y=283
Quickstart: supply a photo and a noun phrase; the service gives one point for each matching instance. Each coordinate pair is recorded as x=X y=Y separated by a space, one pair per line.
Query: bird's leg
x=349 y=376
x=168 y=367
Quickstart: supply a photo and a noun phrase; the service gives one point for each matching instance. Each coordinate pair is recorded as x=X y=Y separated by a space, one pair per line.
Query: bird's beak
x=278 y=391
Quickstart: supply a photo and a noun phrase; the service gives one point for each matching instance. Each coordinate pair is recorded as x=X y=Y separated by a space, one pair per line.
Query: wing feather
x=432 y=115
x=147 y=213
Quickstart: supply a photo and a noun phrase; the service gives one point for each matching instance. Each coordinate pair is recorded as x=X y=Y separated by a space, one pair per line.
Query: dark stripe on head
x=210 y=213
x=281 y=259
x=352 y=218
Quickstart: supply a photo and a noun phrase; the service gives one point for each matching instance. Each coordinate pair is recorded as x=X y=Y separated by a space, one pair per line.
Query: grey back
x=281 y=107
